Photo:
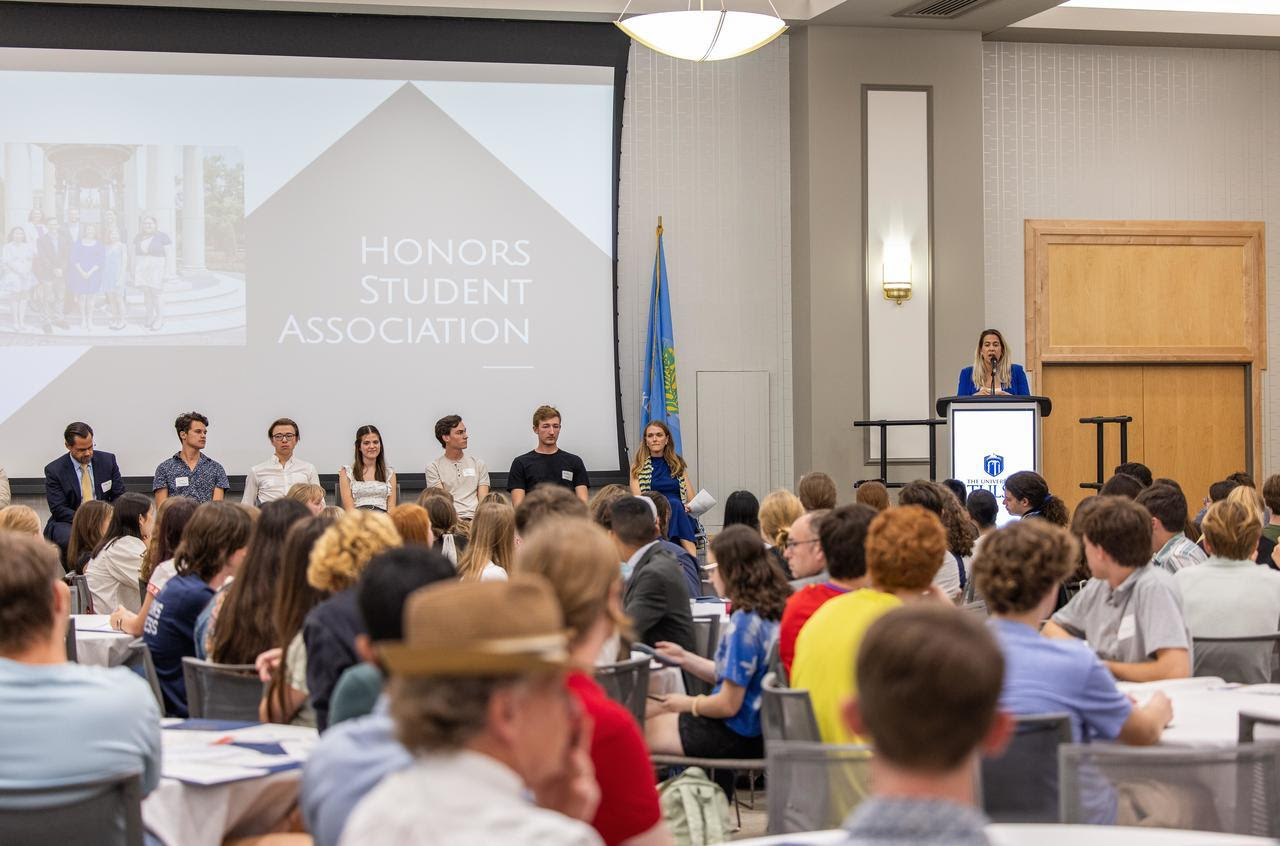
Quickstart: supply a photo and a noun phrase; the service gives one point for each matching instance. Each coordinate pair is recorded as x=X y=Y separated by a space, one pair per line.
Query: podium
x=993 y=438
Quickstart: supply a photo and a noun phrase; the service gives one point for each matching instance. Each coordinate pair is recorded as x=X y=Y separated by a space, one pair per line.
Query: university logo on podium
x=994 y=464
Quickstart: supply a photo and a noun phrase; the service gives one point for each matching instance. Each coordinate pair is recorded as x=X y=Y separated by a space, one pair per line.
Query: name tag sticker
x=469 y=471
x=567 y=475
x=1127 y=628
x=106 y=486
x=181 y=481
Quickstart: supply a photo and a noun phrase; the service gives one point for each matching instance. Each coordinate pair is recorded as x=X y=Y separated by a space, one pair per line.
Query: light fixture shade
x=703 y=36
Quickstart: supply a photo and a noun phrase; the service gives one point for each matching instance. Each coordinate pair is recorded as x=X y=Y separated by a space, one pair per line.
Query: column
x=17 y=184
x=49 y=202
x=161 y=186
x=192 y=209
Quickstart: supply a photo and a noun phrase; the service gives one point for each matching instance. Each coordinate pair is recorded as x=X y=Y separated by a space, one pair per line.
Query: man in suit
x=53 y=248
x=656 y=597
x=79 y=475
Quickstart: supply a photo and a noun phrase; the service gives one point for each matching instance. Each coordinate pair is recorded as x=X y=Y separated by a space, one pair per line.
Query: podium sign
x=990 y=442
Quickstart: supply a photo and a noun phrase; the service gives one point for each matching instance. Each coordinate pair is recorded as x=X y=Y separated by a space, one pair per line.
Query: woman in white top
x=157 y=562
x=368 y=482
x=116 y=565
x=492 y=547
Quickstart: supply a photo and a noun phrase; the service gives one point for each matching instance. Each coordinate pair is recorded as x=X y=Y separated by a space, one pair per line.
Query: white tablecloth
x=1206 y=710
x=1055 y=835
x=97 y=644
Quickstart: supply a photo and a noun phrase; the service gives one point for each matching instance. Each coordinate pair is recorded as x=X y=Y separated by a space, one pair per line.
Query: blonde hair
x=341 y=553
x=1004 y=372
x=779 y=510
x=493 y=538
x=20 y=518
x=1251 y=499
x=306 y=493
x=576 y=556
x=1232 y=527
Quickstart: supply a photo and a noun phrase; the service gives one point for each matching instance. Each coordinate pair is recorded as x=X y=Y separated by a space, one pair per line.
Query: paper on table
x=206 y=773
x=701 y=503
x=272 y=733
x=95 y=623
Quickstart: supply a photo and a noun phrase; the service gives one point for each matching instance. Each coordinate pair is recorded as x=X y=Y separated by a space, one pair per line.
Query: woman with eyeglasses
x=272 y=479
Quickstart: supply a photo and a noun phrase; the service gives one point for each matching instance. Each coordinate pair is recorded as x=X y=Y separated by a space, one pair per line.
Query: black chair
x=1249 y=721
x=1021 y=786
x=814 y=786
x=786 y=713
x=222 y=691
x=706 y=637
x=139 y=660
x=627 y=683
x=106 y=811
x=1243 y=660
x=71 y=639
x=81 y=599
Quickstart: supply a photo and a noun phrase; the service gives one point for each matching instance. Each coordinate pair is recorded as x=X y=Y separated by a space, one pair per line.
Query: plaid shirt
x=1179 y=552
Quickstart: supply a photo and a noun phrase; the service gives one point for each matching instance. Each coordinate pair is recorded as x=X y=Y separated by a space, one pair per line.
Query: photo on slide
x=122 y=245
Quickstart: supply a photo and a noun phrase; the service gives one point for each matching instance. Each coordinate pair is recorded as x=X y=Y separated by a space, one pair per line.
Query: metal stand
x=1100 y=423
x=883 y=426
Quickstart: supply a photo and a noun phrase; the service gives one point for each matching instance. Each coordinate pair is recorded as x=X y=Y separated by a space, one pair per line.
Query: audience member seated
x=779 y=511
x=656 y=596
x=1137 y=470
x=1130 y=613
x=688 y=561
x=116 y=566
x=1171 y=548
x=1218 y=491
x=414 y=524
x=245 y=626
x=1026 y=494
x=579 y=561
x=1121 y=484
x=544 y=503
x=1249 y=497
x=904 y=547
x=63 y=722
x=726 y=723
x=817 y=491
x=983 y=508
x=600 y=504
x=1229 y=595
x=957 y=488
x=742 y=507
x=928 y=681
x=873 y=493
x=1271 y=496
x=445 y=526
x=330 y=629
x=953 y=569
x=283 y=668
x=488 y=728
x=21 y=519
x=312 y=496
x=1192 y=527
x=87 y=529
x=803 y=550
x=1018 y=573
x=157 y=562
x=380 y=594
x=842 y=538
x=213 y=544
x=70 y=480
x=204 y=623
x=491 y=548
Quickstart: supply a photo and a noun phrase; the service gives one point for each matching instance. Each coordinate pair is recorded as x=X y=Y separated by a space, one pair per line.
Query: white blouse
x=112 y=575
x=369 y=494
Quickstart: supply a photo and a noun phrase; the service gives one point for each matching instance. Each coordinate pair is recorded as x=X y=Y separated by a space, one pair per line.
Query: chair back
x=142 y=590
x=221 y=691
x=1244 y=660
x=774 y=664
x=1233 y=790
x=787 y=713
x=102 y=811
x=1249 y=721
x=1021 y=786
x=814 y=786
x=71 y=639
x=81 y=599
x=978 y=608
x=139 y=661
x=706 y=637
x=627 y=683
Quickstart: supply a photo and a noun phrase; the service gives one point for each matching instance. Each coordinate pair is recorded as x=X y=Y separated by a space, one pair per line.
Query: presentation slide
x=340 y=241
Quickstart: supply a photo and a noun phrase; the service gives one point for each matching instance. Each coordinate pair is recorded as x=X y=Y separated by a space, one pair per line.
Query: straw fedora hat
x=480 y=629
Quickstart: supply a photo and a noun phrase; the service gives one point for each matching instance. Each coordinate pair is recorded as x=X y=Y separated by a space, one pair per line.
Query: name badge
x=567 y=475
x=469 y=471
x=1127 y=628
x=181 y=481
x=106 y=486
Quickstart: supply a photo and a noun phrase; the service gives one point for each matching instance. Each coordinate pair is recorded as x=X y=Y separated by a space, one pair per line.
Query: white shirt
x=462 y=478
x=113 y=575
x=271 y=480
x=1223 y=598
x=461 y=799
x=493 y=573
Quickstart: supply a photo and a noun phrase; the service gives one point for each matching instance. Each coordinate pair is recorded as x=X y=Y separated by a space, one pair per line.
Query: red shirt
x=628 y=796
x=800 y=608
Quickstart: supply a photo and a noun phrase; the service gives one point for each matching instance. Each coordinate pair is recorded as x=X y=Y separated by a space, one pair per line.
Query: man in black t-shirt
x=547 y=463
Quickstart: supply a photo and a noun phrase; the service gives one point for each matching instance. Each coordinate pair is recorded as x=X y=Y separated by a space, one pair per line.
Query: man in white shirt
x=463 y=476
x=272 y=479
x=479 y=698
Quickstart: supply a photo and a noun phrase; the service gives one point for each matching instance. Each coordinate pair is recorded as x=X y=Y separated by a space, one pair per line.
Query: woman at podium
x=992 y=354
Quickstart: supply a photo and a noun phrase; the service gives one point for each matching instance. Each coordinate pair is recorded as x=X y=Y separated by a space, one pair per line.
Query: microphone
x=992 y=362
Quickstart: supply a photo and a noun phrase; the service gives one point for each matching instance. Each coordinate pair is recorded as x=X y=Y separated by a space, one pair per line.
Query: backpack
x=695 y=808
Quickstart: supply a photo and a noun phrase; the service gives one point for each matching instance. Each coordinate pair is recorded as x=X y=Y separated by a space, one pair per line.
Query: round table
x=1206 y=710
x=97 y=644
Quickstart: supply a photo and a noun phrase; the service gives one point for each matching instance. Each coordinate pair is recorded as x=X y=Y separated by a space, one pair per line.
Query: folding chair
x=1243 y=660
x=139 y=660
x=627 y=683
x=222 y=691
x=1021 y=786
x=814 y=786
x=104 y=811
x=786 y=714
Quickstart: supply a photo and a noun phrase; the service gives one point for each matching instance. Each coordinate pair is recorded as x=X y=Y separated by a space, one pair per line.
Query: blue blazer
x=1017 y=376
x=62 y=485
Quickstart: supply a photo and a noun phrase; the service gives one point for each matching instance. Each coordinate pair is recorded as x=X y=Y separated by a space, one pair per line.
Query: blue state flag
x=659 y=398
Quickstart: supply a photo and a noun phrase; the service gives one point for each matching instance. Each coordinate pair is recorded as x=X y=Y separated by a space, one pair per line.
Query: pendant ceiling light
x=701 y=34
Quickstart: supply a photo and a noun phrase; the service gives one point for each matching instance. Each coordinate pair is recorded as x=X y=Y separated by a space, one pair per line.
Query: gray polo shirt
x=462 y=478
x=1130 y=622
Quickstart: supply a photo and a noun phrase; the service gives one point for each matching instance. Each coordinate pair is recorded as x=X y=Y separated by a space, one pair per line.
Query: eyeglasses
x=792 y=544
x=284 y=438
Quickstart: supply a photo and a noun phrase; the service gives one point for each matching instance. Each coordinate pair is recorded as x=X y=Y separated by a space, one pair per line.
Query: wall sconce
x=895 y=273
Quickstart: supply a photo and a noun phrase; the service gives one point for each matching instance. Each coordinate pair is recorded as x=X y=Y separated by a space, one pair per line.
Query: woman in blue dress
x=1010 y=379
x=85 y=279
x=657 y=467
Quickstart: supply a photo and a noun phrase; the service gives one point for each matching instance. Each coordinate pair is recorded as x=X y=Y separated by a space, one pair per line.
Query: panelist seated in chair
x=1010 y=379
x=726 y=723
x=1130 y=613
x=62 y=722
x=81 y=475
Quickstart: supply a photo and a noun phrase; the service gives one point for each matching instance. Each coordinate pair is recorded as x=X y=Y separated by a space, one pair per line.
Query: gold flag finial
x=659 y=224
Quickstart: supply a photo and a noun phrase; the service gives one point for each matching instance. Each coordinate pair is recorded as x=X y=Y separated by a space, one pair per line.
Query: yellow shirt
x=826 y=651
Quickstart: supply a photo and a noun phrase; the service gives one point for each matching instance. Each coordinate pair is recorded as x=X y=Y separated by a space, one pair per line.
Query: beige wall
x=829 y=66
